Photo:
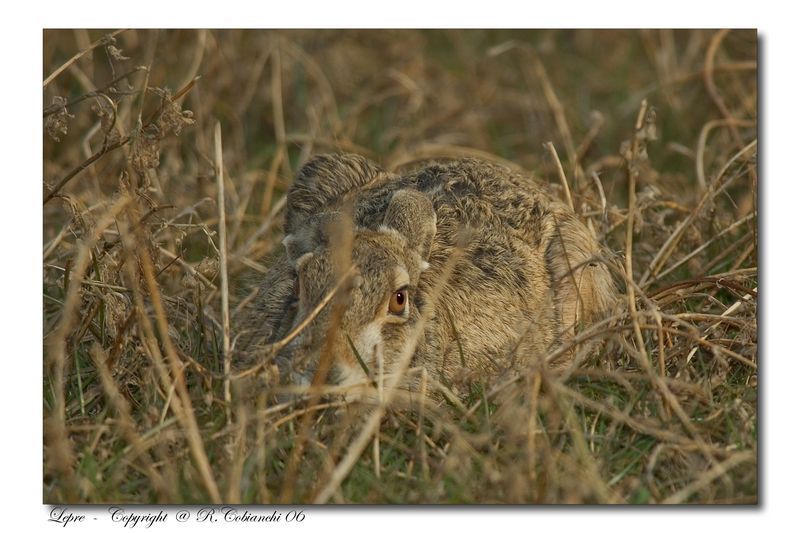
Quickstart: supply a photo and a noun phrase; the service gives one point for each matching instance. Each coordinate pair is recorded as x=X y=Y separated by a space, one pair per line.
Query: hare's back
x=477 y=194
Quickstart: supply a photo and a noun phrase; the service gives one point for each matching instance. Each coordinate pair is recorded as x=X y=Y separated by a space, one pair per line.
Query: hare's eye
x=399 y=301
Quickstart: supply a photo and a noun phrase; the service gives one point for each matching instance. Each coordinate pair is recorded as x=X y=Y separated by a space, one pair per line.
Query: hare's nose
x=295 y=361
x=296 y=379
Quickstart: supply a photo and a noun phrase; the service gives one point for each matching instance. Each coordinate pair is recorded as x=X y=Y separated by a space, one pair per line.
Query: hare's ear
x=411 y=214
x=322 y=182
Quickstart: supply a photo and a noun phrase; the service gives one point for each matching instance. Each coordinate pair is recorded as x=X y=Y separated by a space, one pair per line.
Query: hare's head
x=359 y=285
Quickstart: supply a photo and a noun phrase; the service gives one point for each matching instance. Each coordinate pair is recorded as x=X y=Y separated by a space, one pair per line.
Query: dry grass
x=140 y=404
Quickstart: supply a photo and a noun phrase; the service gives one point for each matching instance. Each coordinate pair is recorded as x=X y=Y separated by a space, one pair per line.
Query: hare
x=527 y=273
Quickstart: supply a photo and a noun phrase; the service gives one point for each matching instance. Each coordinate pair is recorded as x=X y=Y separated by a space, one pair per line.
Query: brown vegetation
x=142 y=293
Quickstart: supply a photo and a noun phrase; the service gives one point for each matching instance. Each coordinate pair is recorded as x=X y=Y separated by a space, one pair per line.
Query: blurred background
x=398 y=96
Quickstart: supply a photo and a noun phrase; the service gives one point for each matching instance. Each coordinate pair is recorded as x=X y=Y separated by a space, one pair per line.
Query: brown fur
x=531 y=272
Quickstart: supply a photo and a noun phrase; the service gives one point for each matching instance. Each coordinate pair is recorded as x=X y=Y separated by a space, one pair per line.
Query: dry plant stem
x=709 y=476
x=711 y=87
x=368 y=429
x=111 y=126
x=302 y=412
x=713 y=91
x=149 y=434
x=343 y=267
x=659 y=381
x=745 y=238
x=533 y=413
x=669 y=245
x=344 y=145
x=728 y=311
x=272 y=176
x=223 y=271
x=82 y=42
x=376 y=453
x=91 y=94
x=701 y=144
x=260 y=416
x=405 y=403
x=256 y=68
x=423 y=449
x=152 y=44
x=603 y=203
x=57 y=345
x=327 y=93
x=633 y=174
x=182 y=409
x=376 y=441
x=739 y=323
x=136 y=444
x=265 y=226
x=598 y=329
x=245 y=302
x=662 y=365
x=197 y=59
x=275 y=347
x=744 y=255
x=99 y=42
x=181 y=405
x=51 y=246
x=710 y=345
x=605 y=162
x=584 y=456
x=561 y=175
x=640 y=426
x=717 y=279
x=624 y=378
x=705 y=245
x=733 y=66
x=558 y=112
x=237 y=461
x=188 y=268
x=277 y=106
x=594 y=130
x=263 y=494
x=107 y=148
x=83 y=166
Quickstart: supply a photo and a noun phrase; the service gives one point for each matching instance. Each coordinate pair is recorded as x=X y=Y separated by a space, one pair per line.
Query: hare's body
x=526 y=274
